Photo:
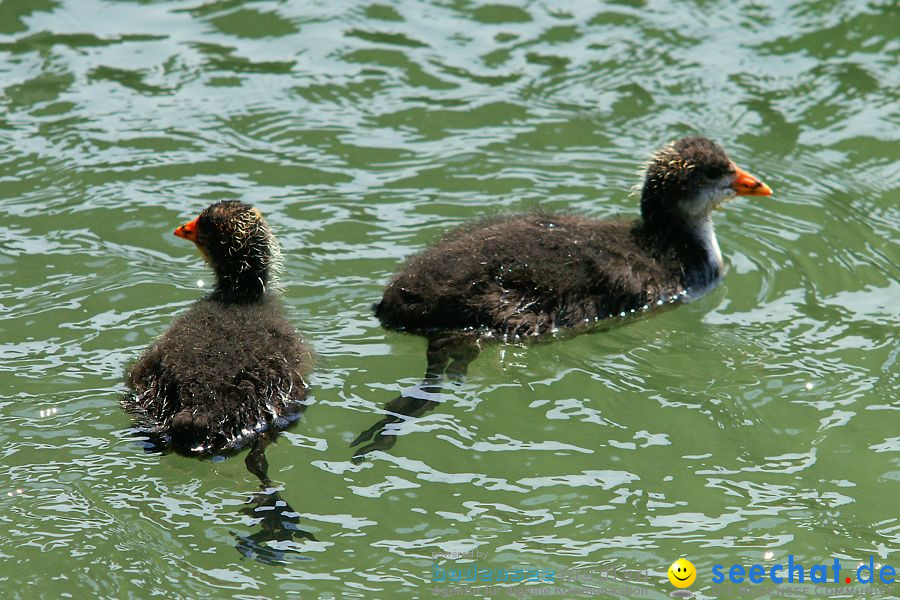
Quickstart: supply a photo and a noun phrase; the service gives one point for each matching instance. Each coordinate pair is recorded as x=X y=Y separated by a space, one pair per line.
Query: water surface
x=756 y=423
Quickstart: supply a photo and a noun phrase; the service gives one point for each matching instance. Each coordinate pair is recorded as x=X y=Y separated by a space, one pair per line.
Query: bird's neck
x=241 y=284
x=695 y=246
x=704 y=236
x=700 y=256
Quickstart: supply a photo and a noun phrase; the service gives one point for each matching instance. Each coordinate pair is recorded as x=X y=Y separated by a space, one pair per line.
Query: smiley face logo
x=682 y=573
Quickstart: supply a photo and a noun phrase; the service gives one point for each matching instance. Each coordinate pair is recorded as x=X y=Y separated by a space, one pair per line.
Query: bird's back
x=527 y=274
x=219 y=375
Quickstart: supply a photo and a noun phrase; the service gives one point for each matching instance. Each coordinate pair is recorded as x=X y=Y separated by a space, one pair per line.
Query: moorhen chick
x=531 y=274
x=231 y=370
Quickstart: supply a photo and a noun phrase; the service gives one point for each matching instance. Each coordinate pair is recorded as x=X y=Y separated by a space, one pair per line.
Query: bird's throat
x=701 y=257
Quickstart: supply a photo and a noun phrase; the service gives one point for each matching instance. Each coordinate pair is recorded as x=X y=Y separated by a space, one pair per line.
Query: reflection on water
x=276 y=523
x=448 y=357
x=757 y=422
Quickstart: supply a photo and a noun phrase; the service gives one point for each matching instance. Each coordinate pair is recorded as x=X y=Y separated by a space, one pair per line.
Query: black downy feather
x=232 y=366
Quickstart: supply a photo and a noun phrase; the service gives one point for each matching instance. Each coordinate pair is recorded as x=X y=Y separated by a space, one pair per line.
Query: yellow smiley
x=682 y=573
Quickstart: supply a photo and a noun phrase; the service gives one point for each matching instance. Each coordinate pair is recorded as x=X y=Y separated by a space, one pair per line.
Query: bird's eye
x=714 y=172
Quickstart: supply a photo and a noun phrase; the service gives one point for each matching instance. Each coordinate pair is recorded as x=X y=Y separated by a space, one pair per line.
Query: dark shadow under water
x=276 y=523
x=448 y=358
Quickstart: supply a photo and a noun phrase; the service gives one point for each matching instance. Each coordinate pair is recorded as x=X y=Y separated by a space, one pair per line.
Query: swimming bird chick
x=232 y=367
x=529 y=274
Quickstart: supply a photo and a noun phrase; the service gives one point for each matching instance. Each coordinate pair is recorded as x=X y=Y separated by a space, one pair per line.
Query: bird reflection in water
x=448 y=358
x=278 y=523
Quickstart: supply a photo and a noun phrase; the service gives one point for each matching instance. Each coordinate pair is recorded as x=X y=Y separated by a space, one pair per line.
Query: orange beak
x=188 y=231
x=746 y=184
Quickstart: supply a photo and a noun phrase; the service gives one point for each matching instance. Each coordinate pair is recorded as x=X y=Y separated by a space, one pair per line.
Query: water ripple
x=751 y=424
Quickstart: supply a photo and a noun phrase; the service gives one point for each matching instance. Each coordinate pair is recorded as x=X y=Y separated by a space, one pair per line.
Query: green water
x=758 y=422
